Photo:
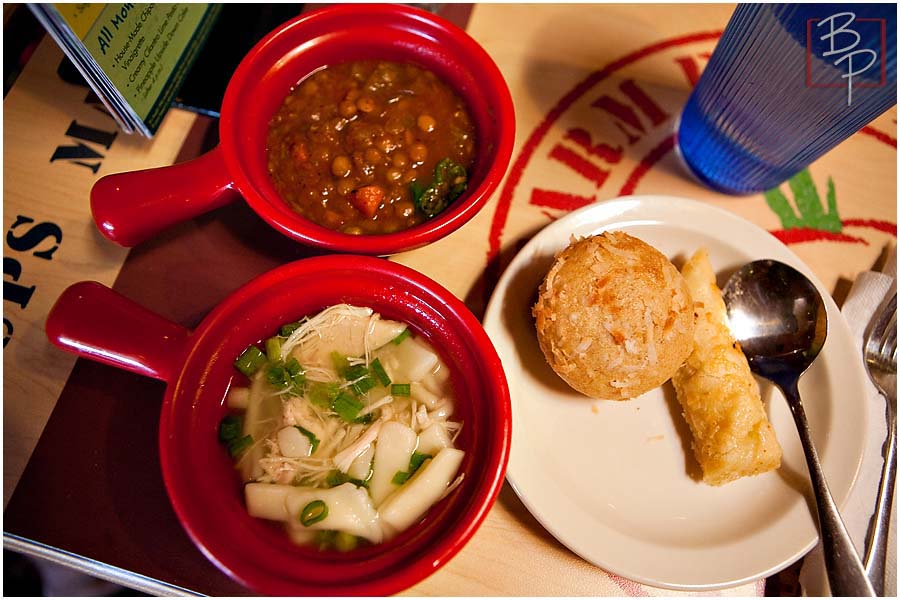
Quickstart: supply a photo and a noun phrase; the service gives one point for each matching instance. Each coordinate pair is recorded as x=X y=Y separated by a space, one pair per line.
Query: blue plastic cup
x=785 y=84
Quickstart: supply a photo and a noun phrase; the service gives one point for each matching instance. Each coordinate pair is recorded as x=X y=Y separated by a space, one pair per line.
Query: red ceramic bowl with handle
x=205 y=489
x=130 y=207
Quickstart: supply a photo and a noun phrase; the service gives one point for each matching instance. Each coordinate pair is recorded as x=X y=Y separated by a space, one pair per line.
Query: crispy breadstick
x=719 y=397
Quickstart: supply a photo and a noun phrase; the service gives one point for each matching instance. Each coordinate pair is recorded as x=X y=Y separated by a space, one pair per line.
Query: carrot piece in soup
x=300 y=153
x=367 y=199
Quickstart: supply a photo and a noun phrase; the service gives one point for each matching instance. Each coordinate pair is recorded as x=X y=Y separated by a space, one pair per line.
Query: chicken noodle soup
x=342 y=428
x=370 y=147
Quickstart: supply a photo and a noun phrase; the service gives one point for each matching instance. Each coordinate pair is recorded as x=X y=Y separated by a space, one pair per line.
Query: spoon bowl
x=779 y=318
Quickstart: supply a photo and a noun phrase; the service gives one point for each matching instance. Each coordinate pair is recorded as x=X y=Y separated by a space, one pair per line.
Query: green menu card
x=134 y=56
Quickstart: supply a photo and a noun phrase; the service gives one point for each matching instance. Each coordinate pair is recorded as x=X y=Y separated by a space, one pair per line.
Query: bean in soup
x=371 y=147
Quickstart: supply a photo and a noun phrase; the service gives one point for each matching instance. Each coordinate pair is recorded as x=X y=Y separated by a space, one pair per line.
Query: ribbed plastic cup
x=786 y=84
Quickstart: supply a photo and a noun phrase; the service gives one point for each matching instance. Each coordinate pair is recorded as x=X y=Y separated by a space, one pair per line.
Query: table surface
x=82 y=482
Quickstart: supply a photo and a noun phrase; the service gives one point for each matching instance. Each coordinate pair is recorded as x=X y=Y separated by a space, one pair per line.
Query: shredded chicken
x=339 y=442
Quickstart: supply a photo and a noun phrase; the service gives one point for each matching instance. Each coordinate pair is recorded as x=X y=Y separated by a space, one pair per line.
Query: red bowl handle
x=93 y=321
x=130 y=207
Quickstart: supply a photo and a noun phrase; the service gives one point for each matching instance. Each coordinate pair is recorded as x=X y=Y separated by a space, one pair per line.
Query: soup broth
x=342 y=428
x=371 y=147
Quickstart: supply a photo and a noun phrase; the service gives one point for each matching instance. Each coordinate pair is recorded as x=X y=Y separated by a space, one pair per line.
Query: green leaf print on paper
x=809 y=205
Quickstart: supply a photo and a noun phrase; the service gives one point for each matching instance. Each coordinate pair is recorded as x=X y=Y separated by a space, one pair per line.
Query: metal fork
x=880 y=352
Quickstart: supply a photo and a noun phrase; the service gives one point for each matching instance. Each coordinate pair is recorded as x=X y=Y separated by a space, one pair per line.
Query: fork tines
x=881 y=339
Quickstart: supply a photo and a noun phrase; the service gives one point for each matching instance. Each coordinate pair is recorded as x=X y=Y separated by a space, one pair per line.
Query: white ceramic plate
x=616 y=482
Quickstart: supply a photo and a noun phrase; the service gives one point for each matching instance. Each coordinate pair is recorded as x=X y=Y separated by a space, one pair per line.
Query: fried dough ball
x=614 y=317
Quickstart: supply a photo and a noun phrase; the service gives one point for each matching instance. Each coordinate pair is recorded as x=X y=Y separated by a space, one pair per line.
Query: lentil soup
x=370 y=147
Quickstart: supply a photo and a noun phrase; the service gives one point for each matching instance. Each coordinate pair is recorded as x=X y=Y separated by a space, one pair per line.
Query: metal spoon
x=779 y=318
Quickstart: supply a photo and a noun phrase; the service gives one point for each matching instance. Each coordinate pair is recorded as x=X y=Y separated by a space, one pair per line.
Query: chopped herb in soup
x=371 y=147
x=341 y=427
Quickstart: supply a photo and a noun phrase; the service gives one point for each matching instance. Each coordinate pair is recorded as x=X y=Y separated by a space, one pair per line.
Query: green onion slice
x=401 y=336
x=229 y=428
x=400 y=389
x=250 y=361
x=355 y=372
x=416 y=460
x=363 y=385
x=313 y=512
x=293 y=367
x=313 y=440
x=238 y=446
x=299 y=380
x=278 y=376
x=336 y=478
x=345 y=542
x=297 y=374
x=378 y=369
x=346 y=406
x=286 y=375
x=365 y=419
x=400 y=478
x=323 y=394
x=273 y=349
x=288 y=328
